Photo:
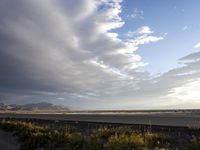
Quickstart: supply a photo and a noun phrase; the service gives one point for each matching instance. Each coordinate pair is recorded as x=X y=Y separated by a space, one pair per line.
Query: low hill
x=32 y=107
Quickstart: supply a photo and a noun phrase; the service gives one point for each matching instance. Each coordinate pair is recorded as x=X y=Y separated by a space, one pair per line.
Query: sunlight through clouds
x=188 y=92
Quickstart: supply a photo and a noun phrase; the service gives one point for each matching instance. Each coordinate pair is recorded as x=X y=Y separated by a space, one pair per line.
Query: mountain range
x=32 y=107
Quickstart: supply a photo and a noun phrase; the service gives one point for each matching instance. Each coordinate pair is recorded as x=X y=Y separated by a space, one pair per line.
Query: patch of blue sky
x=175 y=20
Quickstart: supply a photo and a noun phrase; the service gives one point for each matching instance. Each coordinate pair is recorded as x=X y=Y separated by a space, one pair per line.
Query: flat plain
x=177 y=119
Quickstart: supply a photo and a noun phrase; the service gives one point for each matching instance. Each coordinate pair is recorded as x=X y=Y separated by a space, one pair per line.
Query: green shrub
x=195 y=144
x=33 y=136
x=125 y=142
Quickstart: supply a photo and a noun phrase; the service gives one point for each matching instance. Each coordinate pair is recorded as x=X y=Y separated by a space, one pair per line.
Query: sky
x=101 y=54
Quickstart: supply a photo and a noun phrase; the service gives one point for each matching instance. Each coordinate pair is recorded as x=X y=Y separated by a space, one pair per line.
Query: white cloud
x=67 y=50
x=145 y=39
x=108 y=69
x=185 y=28
x=187 y=92
x=197 y=45
x=144 y=30
x=137 y=14
x=141 y=36
x=49 y=43
x=139 y=31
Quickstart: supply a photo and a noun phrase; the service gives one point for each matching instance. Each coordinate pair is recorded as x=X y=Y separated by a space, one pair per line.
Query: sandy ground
x=7 y=141
x=171 y=119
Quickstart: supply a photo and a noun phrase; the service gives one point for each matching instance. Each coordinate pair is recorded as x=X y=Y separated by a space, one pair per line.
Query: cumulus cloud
x=63 y=48
x=141 y=30
x=141 y=36
x=145 y=39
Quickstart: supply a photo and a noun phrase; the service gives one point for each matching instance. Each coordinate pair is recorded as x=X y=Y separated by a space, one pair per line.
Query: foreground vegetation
x=35 y=136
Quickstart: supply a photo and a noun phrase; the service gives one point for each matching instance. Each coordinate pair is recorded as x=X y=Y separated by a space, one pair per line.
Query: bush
x=125 y=142
x=32 y=136
x=195 y=143
x=158 y=140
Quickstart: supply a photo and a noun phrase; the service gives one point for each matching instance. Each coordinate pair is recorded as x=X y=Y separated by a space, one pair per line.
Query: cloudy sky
x=101 y=54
